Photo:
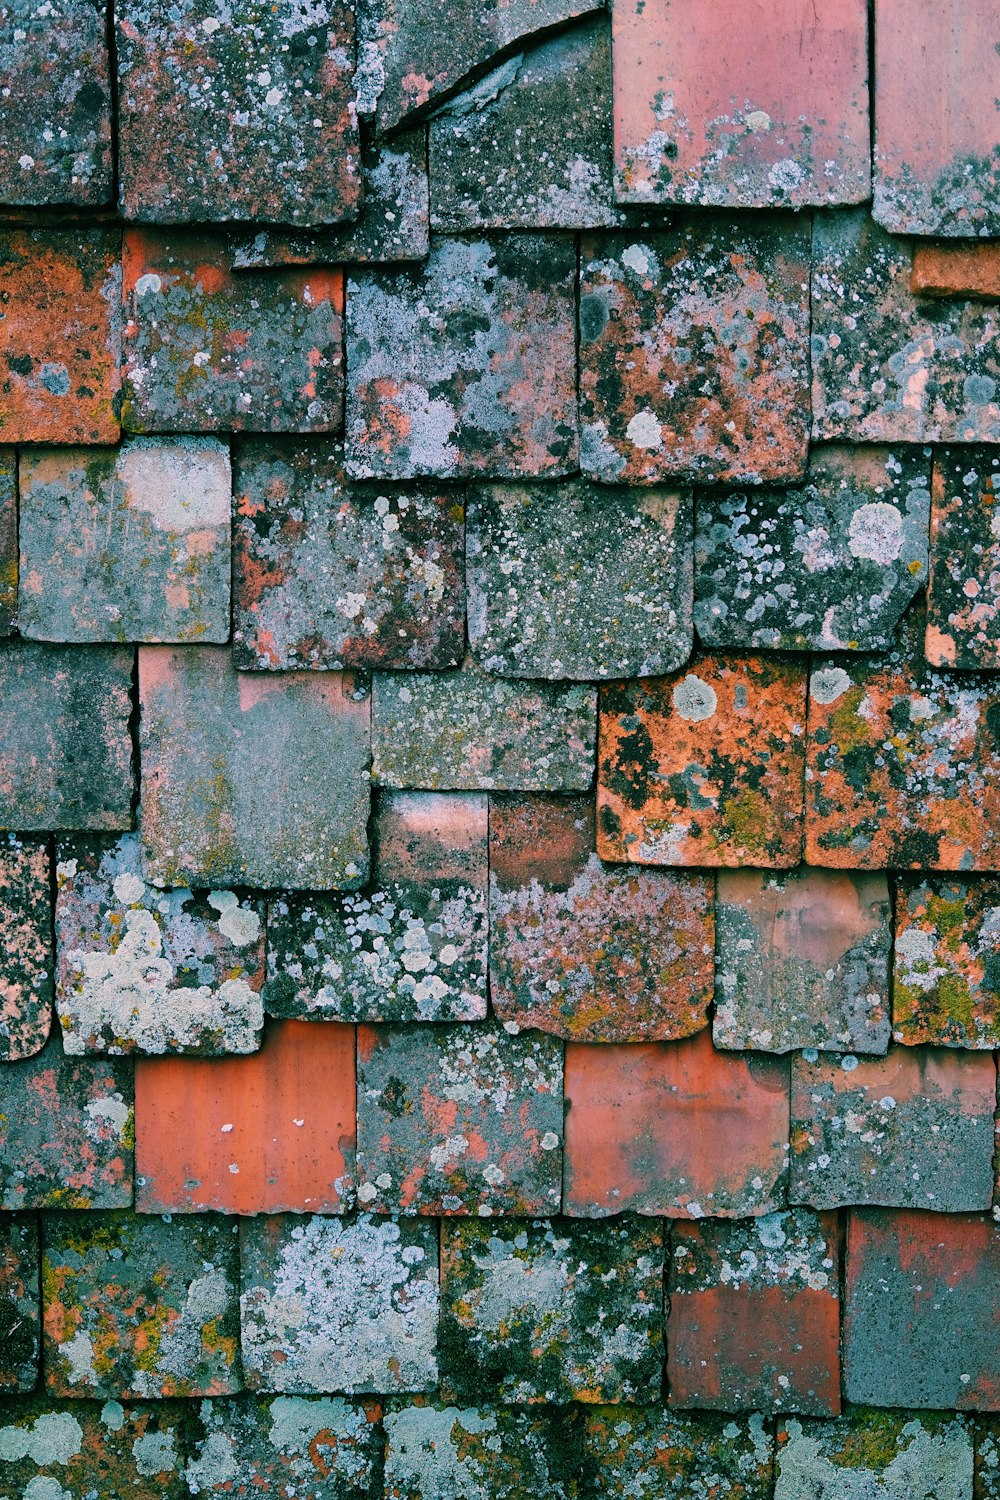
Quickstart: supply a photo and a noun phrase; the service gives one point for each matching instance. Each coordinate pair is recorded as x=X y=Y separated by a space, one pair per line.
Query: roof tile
x=908 y=1456
x=292 y=1447
x=635 y=1450
x=946 y=967
x=25 y=947
x=963 y=601
x=20 y=1305
x=91 y=1447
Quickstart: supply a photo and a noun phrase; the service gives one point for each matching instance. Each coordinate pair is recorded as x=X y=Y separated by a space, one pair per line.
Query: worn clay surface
x=946 y=963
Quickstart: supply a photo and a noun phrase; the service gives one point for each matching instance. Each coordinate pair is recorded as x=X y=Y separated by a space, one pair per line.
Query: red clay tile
x=946 y=979
x=250 y=1135
x=424 y=837
x=963 y=602
x=676 y=1129
x=25 y=947
x=948 y=269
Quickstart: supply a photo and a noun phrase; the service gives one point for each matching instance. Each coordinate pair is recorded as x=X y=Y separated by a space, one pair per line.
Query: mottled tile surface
x=20 y=1305
x=642 y=1452
x=25 y=947
x=963 y=601
x=953 y=268
x=874 y=1455
x=8 y=541
x=90 y=1448
x=486 y=1453
x=946 y=963
x=293 y=1447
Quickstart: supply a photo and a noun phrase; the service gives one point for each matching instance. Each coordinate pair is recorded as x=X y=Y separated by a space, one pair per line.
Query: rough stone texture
x=127 y=544
x=205 y=349
x=944 y=268
x=886 y=368
x=802 y=960
x=60 y=334
x=872 y=1455
x=292 y=1447
x=65 y=748
x=25 y=947
x=8 y=541
x=828 y=566
x=636 y=1134
x=427 y=395
x=459 y=1120
x=56 y=145
x=489 y=1453
x=250 y=1135
x=551 y=1311
x=371 y=1288
x=747 y=107
x=704 y=768
x=140 y=1308
x=911 y=1130
x=903 y=763
x=923 y=1286
x=574 y=581
x=331 y=574
x=257 y=781
x=20 y=1306
x=647 y=1452
x=77 y=1448
x=145 y=970
x=529 y=145
x=754 y=1314
x=251 y=117
x=736 y=411
x=587 y=951
x=963 y=601
x=465 y=730
x=946 y=967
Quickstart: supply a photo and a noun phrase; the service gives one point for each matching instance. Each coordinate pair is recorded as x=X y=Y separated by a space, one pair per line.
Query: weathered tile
x=146 y=970
x=295 y=1447
x=963 y=601
x=422 y=838
x=56 y=146
x=910 y=1130
x=466 y=730
x=85 y=1449
x=465 y=365
x=459 y=1120
x=259 y=781
x=588 y=951
x=946 y=965
x=139 y=1307
x=704 y=768
x=646 y=1452
x=60 y=337
x=745 y=107
x=20 y=1305
x=529 y=145
x=126 y=544
x=802 y=960
x=886 y=368
x=676 y=1129
x=874 y=1455
x=923 y=1286
x=737 y=412
x=986 y=1442
x=329 y=573
x=8 y=541
x=950 y=268
x=244 y=114
x=65 y=747
x=25 y=947
x=371 y=1289
x=269 y=1133
x=829 y=565
x=755 y=1314
x=205 y=350
x=575 y=581
x=485 y=1453
x=903 y=762
x=551 y=1311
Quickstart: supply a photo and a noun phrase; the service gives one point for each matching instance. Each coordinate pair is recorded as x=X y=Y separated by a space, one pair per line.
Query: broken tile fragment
x=693 y=354
x=949 y=268
x=645 y=1451
x=332 y=574
x=746 y=108
x=206 y=350
x=92 y=1448
x=829 y=565
x=126 y=544
x=885 y=367
x=65 y=746
x=205 y=135
x=963 y=601
x=755 y=1314
x=259 y=781
x=588 y=951
x=802 y=960
x=468 y=731
x=8 y=541
x=436 y=1452
x=25 y=947
x=371 y=1287
x=427 y=395
x=20 y=1305
x=60 y=336
x=704 y=768
x=459 y=1120
x=140 y=1307
x=946 y=965
x=576 y=581
x=875 y=1455
x=293 y=1447
x=910 y=1130
x=269 y=1133
x=636 y=1136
